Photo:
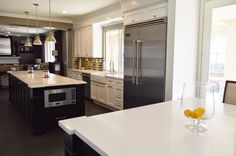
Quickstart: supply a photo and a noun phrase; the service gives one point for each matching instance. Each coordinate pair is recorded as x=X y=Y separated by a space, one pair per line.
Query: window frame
x=117 y=26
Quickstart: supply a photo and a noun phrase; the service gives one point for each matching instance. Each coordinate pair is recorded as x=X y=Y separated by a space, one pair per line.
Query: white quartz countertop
x=87 y=71
x=36 y=80
x=156 y=130
x=104 y=73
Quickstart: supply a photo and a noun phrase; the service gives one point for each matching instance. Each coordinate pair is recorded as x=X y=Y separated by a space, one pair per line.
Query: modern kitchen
x=117 y=78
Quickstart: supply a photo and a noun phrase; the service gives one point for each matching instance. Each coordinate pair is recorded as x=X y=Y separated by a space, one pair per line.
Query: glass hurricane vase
x=198 y=104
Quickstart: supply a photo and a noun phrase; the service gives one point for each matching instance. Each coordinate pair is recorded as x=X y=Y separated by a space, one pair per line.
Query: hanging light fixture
x=50 y=37
x=27 y=41
x=37 y=40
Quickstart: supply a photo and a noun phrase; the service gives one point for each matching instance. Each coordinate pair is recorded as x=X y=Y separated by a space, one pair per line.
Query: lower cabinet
x=110 y=95
x=98 y=92
x=115 y=96
x=74 y=75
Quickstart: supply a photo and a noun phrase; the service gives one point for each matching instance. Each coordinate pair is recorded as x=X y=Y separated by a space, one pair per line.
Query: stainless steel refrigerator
x=144 y=63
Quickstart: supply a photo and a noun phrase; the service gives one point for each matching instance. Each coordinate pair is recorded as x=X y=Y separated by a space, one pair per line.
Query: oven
x=59 y=97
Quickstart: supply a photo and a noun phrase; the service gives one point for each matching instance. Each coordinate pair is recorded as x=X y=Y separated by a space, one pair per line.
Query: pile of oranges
x=195 y=114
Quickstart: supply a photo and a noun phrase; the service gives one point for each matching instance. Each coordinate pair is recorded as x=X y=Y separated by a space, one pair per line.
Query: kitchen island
x=45 y=101
x=153 y=130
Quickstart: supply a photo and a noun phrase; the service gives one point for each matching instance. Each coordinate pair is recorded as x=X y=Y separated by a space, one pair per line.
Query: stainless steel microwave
x=59 y=97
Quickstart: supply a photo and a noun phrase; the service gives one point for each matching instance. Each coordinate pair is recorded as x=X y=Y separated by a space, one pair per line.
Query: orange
x=194 y=115
x=199 y=112
x=187 y=112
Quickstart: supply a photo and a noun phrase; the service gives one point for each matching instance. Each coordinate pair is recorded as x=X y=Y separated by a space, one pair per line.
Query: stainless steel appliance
x=59 y=97
x=87 y=88
x=144 y=63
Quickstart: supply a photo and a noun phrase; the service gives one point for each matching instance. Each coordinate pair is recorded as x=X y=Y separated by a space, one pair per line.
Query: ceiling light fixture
x=50 y=37
x=64 y=12
x=37 y=40
x=27 y=41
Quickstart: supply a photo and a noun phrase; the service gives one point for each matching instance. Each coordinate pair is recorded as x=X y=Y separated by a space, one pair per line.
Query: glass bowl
x=198 y=104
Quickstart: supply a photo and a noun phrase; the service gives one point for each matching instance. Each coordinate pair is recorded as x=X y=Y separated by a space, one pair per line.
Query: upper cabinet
x=149 y=13
x=84 y=42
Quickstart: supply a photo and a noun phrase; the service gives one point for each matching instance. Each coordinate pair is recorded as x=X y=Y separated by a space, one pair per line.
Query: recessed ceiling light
x=49 y=28
x=64 y=12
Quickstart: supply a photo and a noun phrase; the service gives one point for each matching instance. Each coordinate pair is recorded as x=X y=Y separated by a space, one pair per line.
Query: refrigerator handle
x=134 y=70
x=139 y=44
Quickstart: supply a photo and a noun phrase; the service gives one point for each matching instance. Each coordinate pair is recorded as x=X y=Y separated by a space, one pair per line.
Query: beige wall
x=41 y=23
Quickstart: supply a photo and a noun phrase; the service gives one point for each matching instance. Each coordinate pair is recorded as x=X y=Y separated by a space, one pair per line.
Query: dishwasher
x=86 y=78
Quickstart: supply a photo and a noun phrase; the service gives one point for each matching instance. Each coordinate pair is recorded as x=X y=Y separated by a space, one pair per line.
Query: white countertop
x=86 y=71
x=36 y=80
x=156 y=130
x=105 y=73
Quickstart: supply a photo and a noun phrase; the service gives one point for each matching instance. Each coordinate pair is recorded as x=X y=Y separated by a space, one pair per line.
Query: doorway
x=219 y=48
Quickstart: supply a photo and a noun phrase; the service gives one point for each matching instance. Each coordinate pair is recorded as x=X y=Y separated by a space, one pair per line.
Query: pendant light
x=50 y=37
x=37 y=40
x=27 y=41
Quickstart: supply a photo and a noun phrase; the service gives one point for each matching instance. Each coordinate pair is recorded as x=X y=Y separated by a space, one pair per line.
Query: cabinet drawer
x=119 y=97
x=119 y=89
x=119 y=104
x=118 y=82
x=109 y=80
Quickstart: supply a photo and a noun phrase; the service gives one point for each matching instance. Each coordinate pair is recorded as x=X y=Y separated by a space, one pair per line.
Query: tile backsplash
x=89 y=63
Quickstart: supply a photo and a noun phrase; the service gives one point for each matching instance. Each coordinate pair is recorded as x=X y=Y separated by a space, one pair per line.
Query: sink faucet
x=112 y=70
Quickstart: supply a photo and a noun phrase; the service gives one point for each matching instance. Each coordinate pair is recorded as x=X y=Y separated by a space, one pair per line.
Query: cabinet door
x=81 y=43
x=102 y=97
x=85 y=39
x=90 y=41
x=77 y=42
x=94 y=90
x=110 y=95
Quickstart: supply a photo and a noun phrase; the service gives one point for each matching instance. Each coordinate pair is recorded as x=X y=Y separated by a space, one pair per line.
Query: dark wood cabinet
x=30 y=102
x=74 y=146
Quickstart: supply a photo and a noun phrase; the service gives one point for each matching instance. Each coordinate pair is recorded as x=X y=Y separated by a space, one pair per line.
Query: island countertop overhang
x=36 y=80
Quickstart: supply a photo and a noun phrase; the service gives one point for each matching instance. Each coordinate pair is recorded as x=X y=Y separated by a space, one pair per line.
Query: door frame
x=205 y=35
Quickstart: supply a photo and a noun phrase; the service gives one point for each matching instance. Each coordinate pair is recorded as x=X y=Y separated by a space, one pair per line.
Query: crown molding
x=33 y=17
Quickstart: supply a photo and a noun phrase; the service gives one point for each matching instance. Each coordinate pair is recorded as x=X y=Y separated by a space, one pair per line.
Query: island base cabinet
x=30 y=102
x=74 y=146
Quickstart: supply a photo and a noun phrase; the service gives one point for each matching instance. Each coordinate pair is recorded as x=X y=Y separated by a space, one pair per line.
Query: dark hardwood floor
x=16 y=138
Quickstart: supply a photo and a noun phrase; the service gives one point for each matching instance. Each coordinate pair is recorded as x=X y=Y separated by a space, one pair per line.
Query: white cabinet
x=98 y=92
x=94 y=90
x=74 y=75
x=110 y=95
x=115 y=92
x=102 y=96
x=84 y=42
x=147 y=14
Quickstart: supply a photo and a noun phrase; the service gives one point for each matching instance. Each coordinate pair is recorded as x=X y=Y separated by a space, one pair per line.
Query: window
x=49 y=47
x=113 y=47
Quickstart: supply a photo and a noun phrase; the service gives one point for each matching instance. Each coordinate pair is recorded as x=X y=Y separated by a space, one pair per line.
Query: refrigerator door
x=130 y=58
x=151 y=53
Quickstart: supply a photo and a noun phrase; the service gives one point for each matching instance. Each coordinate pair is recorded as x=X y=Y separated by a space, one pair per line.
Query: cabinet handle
x=119 y=97
x=118 y=89
x=110 y=86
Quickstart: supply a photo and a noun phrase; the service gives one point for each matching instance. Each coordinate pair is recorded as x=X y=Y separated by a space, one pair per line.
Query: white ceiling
x=74 y=8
